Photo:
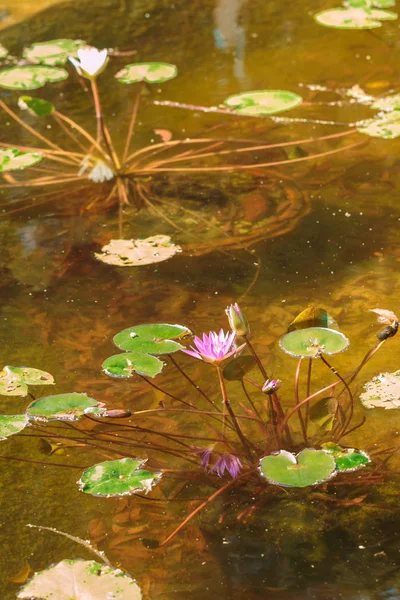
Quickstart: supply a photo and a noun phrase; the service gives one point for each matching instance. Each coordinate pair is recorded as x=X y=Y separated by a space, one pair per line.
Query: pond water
x=334 y=244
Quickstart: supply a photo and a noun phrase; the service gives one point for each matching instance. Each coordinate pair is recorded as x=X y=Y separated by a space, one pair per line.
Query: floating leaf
x=30 y=78
x=125 y=365
x=387 y=317
x=384 y=126
x=32 y=376
x=53 y=52
x=263 y=102
x=310 y=467
x=11 y=424
x=36 y=106
x=64 y=407
x=323 y=412
x=313 y=317
x=152 y=338
x=11 y=384
x=384 y=3
x=347 y=459
x=238 y=367
x=313 y=341
x=12 y=159
x=3 y=52
x=388 y=103
x=151 y=72
x=81 y=579
x=353 y=18
x=118 y=478
x=382 y=391
x=134 y=253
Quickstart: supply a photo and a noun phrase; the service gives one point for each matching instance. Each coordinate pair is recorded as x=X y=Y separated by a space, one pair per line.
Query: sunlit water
x=60 y=308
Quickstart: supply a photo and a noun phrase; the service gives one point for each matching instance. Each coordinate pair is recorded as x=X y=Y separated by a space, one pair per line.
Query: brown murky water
x=337 y=246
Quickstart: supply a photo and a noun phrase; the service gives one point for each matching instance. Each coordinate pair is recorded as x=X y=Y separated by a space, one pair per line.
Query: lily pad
x=353 y=18
x=135 y=253
x=12 y=159
x=36 y=106
x=78 y=579
x=310 y=467
x=64 y=407
x=32 y=376
x=152 y=338
x=313 y=341
x=125 y=365
x=11 y=384
x=238 y=367
x=53 y=52
x=313 y=317
x=382 y=391
x=347 y=459
x=30 y=78
x=118 y=478
x=263 y=102
x=383 y=126
x=11 y=424
x=150 y=72
x=387 y=104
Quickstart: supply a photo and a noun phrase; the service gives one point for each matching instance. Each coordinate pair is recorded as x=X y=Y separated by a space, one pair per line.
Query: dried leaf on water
x=134 y=253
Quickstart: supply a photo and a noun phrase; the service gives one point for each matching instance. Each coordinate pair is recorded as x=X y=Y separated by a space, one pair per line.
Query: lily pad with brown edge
x=64 y=407
x=129 y=363
x=12 y=424
x=118 y=478
x=346 y=459
x=323 y=412
x=36 y=106
x=135 y=253
x=309 y=467
x=238 y=367
x=314 y=316
x=153 y=338
x=382 y=391
x=12 y=159
x=78 y=579
x=30 y=77
x=313 y=341
x=53 y=52
x=385 y=126
x=150 y=72
x=263 y=102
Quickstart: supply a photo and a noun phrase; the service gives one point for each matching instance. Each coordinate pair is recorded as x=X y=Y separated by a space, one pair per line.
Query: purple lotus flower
x=227 y=462
x=271 y=386
x=214 y=347
x=205 y=454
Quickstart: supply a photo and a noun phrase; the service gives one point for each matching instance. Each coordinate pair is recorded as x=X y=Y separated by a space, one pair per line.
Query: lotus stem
x=297 y=400
x=131 y=129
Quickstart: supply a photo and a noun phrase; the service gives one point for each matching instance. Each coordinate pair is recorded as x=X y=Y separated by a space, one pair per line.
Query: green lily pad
x=347 y=459
x=150 y=72
x=382 y=391
x=310 y=467
x=3 y=52
x=152 y=338
x=118 y=478
x=125 y=365
x=30 y=78
x=53 y=52
x=313 y=341
x=64 y=407
x=81 y=579
x=384 y=3
x=313 y=316
x=263 y=102
x=32 y=376
x=11 y=384
x=323 y=412
x=11 y=424
x=353 y=18
x=383 y=126
x=12 y=159
x=238 y=367
x=36 y=106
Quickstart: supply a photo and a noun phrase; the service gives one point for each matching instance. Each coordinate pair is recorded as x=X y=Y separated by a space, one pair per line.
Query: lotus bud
x=271 y=386
x=237 y=321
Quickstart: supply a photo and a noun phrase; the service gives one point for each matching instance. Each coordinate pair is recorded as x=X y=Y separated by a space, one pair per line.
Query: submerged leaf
x=263 y=102
x=314 y=316
x=30 y=78
x=134 y=253
x=347 y=459
x=323 y=412
x=238 y=367
x=313 y=341
x=53 y=52
x=310 y=467
x=11 y=424
x=12 y=159
x=118 y=478
x=382 y=391
x=64 y=407
x=3 y=52
x=81 y=579
x=125 y=365
x=36 y=106
x=150 y=72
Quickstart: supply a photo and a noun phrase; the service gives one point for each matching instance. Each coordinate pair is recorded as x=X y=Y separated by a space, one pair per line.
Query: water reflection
x=230 y=35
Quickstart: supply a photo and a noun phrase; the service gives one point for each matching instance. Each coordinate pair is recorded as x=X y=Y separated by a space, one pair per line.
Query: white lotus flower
x=90 y=62
x=100 y=172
